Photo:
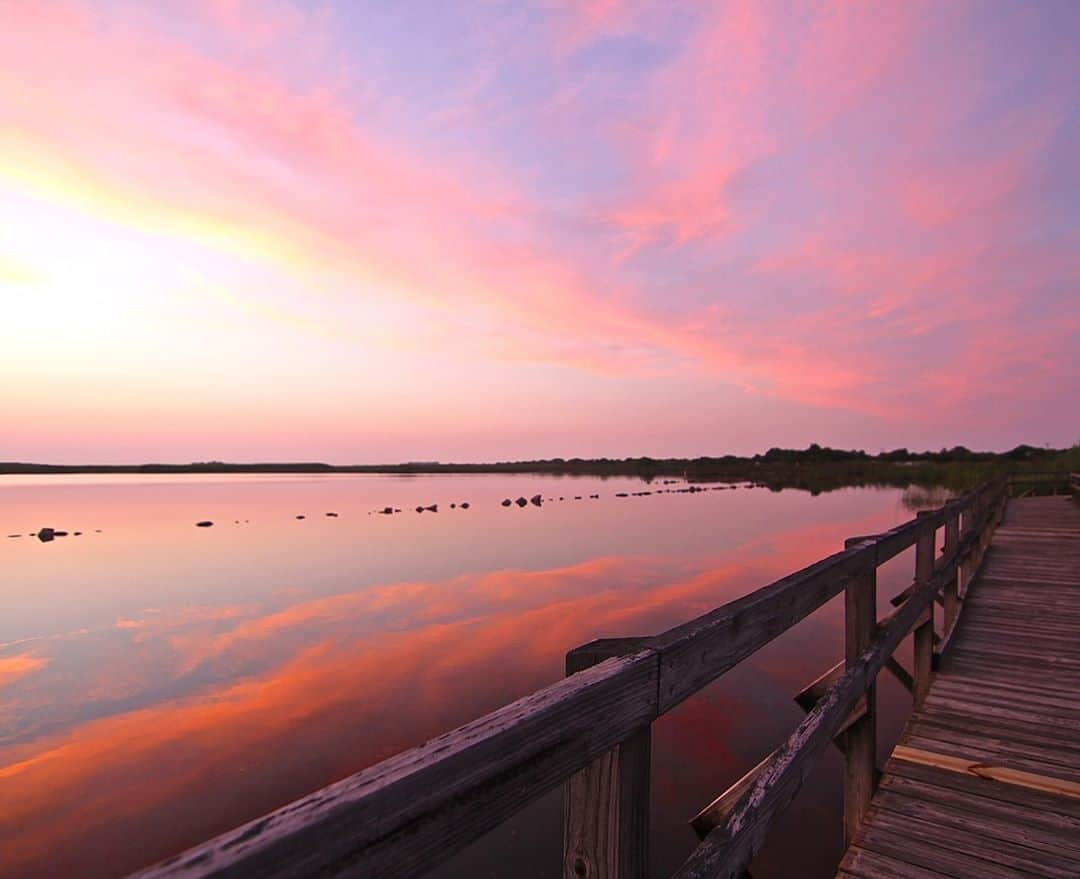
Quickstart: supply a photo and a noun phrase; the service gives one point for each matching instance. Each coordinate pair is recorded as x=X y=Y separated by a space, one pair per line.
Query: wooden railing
x=1043 y=483
x=591 y=733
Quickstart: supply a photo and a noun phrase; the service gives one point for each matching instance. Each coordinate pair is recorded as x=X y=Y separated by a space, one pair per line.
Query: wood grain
x=986 y=779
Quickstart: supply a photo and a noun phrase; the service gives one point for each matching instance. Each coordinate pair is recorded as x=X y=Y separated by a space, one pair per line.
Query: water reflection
x=125 y=740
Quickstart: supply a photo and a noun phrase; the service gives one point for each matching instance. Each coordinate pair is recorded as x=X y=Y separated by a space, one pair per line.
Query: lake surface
x=161 y=683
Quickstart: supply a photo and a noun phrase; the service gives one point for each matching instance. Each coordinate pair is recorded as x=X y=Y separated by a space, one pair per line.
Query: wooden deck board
x=1007 y=696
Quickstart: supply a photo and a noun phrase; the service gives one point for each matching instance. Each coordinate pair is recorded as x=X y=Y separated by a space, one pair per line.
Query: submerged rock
x=206 y=523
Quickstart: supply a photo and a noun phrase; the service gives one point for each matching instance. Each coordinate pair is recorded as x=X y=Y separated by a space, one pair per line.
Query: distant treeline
x=815 y=468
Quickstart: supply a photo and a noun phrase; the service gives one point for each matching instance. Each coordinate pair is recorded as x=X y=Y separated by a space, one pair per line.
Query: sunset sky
x=367 y=232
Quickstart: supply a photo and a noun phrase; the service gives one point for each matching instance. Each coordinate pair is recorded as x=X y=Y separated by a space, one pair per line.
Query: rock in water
x=521 y=502
x=45 y=535
x=434 y=508
x=332 y=515
x=464 y=505
x=419 y=509
x=387 y=511
x=536 y=499
x=507 y=502
x=301 y=517
x=204 y=524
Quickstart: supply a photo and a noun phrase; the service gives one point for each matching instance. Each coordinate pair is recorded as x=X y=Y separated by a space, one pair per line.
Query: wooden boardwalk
x=985 y=782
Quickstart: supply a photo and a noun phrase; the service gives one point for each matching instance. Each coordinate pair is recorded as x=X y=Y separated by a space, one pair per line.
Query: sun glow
x=249 y=203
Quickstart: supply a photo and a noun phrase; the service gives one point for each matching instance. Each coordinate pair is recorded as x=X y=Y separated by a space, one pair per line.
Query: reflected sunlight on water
x=160 y=683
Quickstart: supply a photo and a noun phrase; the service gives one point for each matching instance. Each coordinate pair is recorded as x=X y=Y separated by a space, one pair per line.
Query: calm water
x=160 y=683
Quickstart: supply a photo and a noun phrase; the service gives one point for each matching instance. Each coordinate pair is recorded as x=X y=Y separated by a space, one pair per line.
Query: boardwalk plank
x=1007 y=694
x=965 y=814
x=973 y=841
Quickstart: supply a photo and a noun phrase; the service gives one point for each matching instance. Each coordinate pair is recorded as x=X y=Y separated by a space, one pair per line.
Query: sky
x=374 y=232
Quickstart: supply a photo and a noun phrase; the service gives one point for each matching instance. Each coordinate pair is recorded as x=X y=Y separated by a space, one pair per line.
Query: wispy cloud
x=827 y=205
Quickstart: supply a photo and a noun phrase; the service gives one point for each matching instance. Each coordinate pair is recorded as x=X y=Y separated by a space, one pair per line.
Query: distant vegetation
x=815 y=469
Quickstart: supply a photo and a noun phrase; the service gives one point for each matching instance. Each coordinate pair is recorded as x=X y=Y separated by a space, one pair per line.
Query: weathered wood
x=924 y=632
x=963 y=556
x=808 y=697
x=730 y=846
x=1049 y=810
x=696 y=653
x=986 y=779
x=606 y=814
x=594 y=652
x=1010 y=808
x=714 y=814
x=860 y=739
x=940 y=848
x=952 y=589
x=1003 y=774
x=606 y=804
x=811 y=694
x=974 y=817
x=410 y=812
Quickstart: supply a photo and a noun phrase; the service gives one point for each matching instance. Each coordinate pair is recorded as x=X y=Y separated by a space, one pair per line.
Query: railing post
x=860 y=739
x=976 y=548
x=924 y=629
x=952 y=587
x=606 y=804
x=967 y=525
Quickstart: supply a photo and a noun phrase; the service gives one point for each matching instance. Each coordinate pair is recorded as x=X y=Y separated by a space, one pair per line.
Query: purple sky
x=378 y=232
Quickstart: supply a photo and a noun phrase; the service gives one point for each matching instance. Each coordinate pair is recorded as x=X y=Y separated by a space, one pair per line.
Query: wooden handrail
x=734 y=825
x=412 y=811
x=727 y=850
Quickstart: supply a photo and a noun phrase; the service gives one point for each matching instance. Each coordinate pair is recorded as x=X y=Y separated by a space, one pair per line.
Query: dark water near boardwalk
x=160 y=683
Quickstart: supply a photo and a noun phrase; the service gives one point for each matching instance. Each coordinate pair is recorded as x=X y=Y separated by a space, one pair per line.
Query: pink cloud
x=808 y=273
x=13 y=668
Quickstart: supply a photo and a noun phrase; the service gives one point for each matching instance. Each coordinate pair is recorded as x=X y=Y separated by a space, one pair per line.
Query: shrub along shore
x=815 y=469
